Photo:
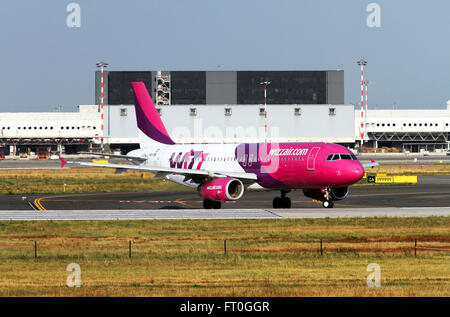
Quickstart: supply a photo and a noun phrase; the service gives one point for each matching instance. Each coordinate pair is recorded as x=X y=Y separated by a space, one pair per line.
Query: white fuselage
x=219 y=157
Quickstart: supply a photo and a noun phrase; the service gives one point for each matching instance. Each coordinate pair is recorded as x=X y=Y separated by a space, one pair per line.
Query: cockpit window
x=346 y=157
x=335 y=157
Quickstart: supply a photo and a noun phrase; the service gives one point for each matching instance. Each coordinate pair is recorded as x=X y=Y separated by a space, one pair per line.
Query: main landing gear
x=211 y=204
x=283 y=201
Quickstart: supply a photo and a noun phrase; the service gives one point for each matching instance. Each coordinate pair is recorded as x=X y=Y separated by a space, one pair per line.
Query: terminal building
x=228 y=106
x=224 y=107
x=25 y=133
x=408 y=130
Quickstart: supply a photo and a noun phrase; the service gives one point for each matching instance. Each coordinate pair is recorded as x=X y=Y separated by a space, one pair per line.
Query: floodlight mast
x=362 y=63
x=101 y=65
x=265 y=83
x=366 y=84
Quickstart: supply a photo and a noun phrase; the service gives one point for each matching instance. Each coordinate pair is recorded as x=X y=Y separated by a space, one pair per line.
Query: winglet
x=372 y=160
x=63 y=162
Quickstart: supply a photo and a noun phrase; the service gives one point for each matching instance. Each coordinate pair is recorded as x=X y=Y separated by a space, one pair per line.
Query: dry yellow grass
x=411 y=169
x=79 y=180
x=264 y=257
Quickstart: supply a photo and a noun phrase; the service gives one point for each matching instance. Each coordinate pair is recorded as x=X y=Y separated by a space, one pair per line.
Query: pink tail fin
x=148 y=120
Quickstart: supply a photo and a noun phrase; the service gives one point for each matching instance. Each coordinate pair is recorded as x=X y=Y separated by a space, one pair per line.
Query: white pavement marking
x=135 y=214
x=138 y=214
x=364 y=212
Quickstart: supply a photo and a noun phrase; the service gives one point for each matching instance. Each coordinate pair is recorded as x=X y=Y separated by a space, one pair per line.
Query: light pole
x=265 y=83
x=366 y=83
x=362 y=63
x=102 y=65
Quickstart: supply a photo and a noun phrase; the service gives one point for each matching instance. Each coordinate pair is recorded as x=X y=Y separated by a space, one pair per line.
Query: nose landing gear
x=328 y=202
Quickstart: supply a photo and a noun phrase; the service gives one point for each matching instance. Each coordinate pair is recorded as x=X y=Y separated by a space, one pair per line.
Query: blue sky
x=44 y=63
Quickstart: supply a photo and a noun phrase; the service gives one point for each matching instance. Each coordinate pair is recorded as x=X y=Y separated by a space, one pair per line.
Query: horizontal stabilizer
x=63 y=162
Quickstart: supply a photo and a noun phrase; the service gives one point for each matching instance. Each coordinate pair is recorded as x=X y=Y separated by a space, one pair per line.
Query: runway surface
x=431 y=196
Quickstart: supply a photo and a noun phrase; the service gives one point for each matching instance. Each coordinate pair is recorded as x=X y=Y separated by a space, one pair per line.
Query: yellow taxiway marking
x=38 y=203
x=182 y=202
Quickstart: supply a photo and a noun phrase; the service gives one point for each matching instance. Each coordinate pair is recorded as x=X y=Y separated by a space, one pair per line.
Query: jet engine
x=222 y=189
x=339 y=193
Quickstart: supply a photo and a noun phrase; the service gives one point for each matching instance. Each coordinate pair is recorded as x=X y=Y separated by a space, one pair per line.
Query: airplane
x=223 y=172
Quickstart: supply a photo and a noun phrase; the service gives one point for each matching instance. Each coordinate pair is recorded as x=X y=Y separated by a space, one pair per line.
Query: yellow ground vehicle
x=43 y=156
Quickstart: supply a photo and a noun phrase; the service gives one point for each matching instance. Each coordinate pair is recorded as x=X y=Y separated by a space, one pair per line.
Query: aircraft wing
x=136 y=158
x=199 y=176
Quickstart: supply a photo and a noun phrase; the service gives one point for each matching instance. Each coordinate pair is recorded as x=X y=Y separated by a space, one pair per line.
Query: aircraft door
x=311 y=162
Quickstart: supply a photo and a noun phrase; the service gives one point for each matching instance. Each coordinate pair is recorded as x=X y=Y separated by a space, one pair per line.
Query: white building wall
x=240 y=124
x=213 y=124
x=404 y=121
x=83 y=124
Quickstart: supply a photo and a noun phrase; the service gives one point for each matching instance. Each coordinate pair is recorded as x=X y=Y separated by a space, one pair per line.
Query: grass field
x=264 y=257
x=411 y=169
x=78 y=180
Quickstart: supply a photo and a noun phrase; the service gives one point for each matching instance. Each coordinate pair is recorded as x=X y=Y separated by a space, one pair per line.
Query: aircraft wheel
x=281 y=202
x=286 y=202
x=216 y=204
x=207 y=204
x=328 y=204
x=277 y=202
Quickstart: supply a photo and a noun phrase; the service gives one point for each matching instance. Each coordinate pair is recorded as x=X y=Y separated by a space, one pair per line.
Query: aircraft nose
x=358 y=172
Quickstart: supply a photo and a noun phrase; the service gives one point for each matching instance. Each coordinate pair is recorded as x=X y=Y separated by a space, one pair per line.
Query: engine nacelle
x=337 y=193
x=222 y=189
